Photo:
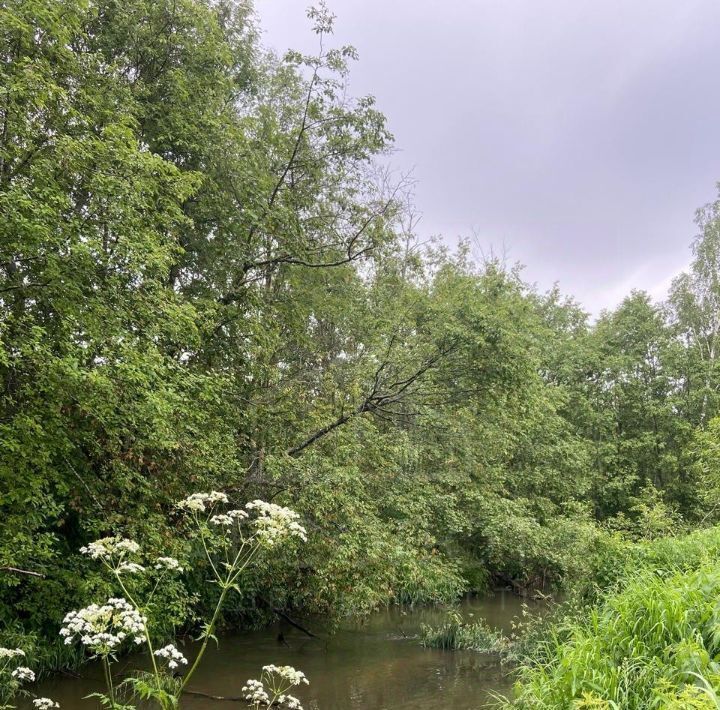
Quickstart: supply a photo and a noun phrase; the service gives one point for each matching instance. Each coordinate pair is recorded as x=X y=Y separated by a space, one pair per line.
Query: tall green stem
x=226 y=584
x=208 y=634
x=108 y=682
x=148 y=641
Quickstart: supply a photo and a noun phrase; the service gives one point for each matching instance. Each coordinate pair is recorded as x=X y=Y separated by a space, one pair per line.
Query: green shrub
x=613 y=559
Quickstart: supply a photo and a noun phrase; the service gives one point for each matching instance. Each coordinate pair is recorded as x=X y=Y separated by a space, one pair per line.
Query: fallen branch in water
x=200 y=694
x=290 y=621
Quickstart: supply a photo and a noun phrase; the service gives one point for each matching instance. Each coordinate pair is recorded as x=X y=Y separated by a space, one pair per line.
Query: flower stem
x=148 y=641
x=208 y=633
x=108 y=681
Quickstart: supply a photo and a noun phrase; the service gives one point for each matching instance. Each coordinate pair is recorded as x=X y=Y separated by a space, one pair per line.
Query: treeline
x=208 y=281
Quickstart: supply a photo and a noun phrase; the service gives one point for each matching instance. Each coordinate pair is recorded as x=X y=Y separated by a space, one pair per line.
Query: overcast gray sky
x=577 y=135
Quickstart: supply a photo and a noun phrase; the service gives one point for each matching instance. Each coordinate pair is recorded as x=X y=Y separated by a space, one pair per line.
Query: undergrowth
x=651 y=642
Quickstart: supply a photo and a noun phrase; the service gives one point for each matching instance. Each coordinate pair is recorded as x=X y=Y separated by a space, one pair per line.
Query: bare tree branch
x=351 y=255
x=380 y=396
x=16 y=570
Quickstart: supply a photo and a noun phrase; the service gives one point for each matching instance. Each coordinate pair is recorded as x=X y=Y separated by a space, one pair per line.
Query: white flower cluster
x=11 y=652
x=227 y=519
x=279 y=679
x=287 y=673
x=169 y=563
x=45 y=704
x=255 y=692
x=275 y=523
x=109 y=547
x=23 y=674
x=103 y=628
x=201 y=502
x=172 y=655
x=130 y=568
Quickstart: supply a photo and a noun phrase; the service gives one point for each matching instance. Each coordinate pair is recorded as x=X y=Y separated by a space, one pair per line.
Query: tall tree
x=695 y=310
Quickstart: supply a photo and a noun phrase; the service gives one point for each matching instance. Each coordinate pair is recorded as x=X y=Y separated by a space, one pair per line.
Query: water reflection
x=370 y=665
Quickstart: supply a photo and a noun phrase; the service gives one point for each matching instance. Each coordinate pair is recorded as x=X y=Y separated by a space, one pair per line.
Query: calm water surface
x=369 y=665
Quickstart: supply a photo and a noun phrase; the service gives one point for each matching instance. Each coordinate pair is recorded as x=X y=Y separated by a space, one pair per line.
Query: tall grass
x=616 y=560
x=455 y=634
x=653 y=644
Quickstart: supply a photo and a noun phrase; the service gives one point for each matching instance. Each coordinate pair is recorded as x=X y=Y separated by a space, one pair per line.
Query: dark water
x=370 y=665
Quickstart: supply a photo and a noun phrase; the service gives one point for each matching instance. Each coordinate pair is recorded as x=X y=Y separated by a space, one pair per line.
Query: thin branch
x=351 y=254
x=16 y=570
x=378 y=398
x=21 y=286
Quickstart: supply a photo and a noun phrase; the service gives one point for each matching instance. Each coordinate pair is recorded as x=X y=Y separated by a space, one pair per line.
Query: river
x=374 y=664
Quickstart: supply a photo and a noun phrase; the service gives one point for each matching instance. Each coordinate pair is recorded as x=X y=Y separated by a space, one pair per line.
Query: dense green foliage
x=209 y=281
x=652 y=641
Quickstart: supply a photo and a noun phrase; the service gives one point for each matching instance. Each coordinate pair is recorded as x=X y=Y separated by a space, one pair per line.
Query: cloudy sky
x=576 y=136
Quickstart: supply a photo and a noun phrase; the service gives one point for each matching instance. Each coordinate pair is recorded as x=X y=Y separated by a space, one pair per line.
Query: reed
x=456 y=634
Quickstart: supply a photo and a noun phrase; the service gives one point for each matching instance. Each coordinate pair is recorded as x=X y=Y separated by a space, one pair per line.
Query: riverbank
x=645 y=637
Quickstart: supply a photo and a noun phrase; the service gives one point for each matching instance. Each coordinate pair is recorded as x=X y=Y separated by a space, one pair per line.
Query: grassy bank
x=650 y=638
